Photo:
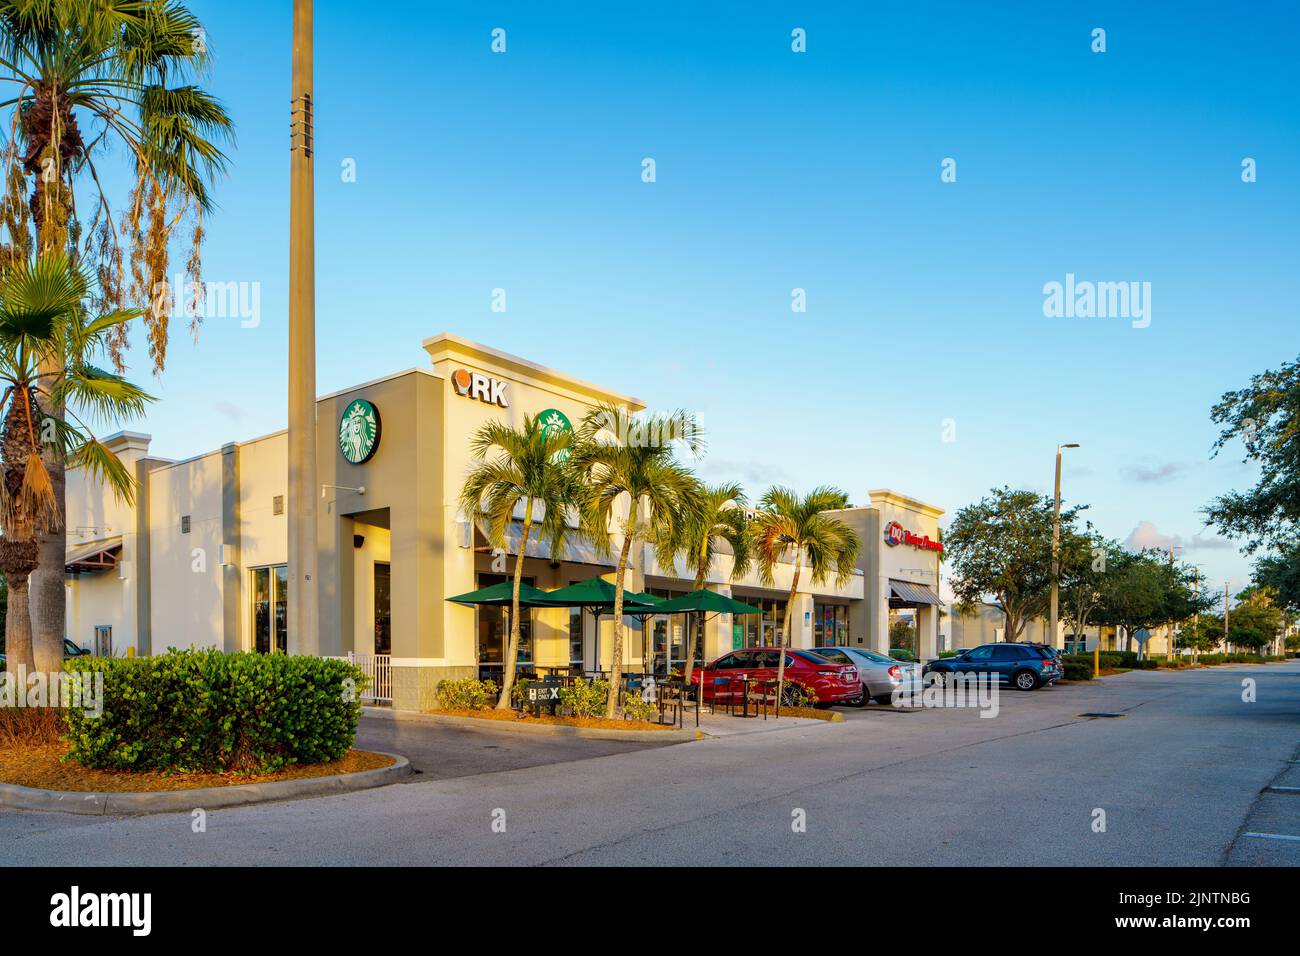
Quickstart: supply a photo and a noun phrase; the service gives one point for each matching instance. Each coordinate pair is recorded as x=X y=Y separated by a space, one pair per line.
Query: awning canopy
x=576 y=549
x=910 y=594
x=94 y=557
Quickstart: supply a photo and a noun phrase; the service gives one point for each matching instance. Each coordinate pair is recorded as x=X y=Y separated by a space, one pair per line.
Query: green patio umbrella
x=502 y=595
x=599 y=593
x=597 y=596
x=705 y=602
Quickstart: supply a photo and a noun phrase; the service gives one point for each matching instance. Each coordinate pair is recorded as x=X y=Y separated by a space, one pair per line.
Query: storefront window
x=383 y=609
x=575 y=637
x=830 y=625
x=493 y=630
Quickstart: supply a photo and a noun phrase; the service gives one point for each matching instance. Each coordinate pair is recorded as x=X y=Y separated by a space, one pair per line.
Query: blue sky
x=778 y=170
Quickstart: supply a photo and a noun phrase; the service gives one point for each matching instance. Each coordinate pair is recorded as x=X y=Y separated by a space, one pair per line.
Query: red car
x=832 y=683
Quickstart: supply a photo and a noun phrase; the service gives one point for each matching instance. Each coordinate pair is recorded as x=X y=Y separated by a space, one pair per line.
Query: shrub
x=583 y=699
x=208 y=712
x=467 y=694
x=519 y=693
x=1077 y=671
x=797 y=695
x=634 y=708
x=943 y=654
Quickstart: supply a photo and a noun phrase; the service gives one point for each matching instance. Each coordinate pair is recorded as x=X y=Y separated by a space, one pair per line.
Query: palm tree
x=722 y=518
x=41 y=314
x=637 y=468
x=92 y=77
x=787 y=524
x=526 y=469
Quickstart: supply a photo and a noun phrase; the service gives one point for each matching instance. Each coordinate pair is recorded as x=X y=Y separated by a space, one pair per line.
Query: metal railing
x=379 y=668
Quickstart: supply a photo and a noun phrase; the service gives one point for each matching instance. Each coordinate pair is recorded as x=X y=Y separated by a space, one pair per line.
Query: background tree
x=627 y=461
x=1084 y=559
x=89 y=78
x=514 y=468
x=1256 y=611
x=1146 y=590
x=721 y=520
x=1201 y=637
x=800 y=530
x=1001 y=547
x=1265 y=418
x=41 y=314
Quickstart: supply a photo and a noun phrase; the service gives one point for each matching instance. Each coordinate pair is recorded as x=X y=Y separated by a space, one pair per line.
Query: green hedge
x=1076 y=671
x=208 y=712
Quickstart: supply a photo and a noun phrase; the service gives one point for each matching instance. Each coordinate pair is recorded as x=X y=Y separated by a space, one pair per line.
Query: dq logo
x=896 y=534
x=476 y=385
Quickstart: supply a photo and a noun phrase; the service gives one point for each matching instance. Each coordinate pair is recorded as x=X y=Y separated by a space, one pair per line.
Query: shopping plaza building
x=199 y=558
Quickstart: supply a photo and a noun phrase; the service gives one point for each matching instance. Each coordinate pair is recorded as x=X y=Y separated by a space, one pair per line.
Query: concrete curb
x=684 y=735
x=14 y=797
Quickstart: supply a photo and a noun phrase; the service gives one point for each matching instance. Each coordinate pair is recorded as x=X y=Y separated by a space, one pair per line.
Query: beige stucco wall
x=186 y=569
x=95 y=515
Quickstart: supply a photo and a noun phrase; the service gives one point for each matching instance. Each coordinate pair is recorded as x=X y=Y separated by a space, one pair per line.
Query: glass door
x=271 y=609
x=383 y=609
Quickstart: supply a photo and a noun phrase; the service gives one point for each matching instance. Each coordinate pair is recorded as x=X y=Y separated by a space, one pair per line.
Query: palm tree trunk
x=512 y=650
x=18 y=627
x=615 y=703
x=48 y=596
x=785 y=634
x=691 y=638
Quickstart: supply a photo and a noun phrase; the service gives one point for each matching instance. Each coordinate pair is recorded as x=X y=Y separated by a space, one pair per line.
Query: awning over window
x=910 y=594
x=94 y=556
x=576 y=548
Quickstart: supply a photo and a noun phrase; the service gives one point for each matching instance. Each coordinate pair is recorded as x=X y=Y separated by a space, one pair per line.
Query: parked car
x=1023 y=666
x=879 y=675
x=831 y=683
x=69 y=650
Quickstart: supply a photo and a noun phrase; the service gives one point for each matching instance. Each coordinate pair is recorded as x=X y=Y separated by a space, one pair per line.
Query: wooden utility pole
x=302 y=624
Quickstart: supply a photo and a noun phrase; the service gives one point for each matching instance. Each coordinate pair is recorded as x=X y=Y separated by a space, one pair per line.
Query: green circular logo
x=359 y=431
x=553 y=422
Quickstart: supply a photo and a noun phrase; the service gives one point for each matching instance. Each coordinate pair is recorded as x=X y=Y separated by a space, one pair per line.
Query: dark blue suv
x=1023 y=666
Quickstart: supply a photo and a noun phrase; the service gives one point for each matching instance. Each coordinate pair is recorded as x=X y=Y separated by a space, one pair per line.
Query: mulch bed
x=600 y=723
x=42 y=766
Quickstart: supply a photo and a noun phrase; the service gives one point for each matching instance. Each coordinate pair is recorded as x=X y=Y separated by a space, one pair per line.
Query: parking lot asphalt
x=1186 y=774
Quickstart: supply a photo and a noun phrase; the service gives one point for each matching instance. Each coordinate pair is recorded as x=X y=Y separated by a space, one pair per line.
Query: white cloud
x=1147 y=535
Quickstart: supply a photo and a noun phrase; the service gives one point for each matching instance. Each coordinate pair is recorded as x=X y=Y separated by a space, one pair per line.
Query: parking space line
x=1273 y=836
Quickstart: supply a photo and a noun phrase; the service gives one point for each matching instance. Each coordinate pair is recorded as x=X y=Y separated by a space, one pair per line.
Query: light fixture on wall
x=361 y=490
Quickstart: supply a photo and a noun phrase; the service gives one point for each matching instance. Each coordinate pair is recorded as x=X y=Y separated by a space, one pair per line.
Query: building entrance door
x=383 y=608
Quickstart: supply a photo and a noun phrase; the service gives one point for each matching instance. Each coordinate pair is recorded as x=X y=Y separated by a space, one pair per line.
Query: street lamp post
x=1056 y=546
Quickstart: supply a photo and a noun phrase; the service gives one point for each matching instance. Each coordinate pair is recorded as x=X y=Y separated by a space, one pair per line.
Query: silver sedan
x=881 y=675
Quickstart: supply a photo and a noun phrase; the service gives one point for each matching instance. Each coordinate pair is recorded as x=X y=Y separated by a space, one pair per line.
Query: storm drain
x=1100 y=715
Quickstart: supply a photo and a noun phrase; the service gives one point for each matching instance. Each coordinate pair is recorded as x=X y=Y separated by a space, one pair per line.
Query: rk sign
x=477 y=385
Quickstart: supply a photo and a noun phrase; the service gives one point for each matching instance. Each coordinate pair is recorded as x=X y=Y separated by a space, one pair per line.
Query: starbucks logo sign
x=359 y=431
x=554 y=422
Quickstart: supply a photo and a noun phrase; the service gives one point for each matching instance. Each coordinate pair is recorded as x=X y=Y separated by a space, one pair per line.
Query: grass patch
x=595 y=723
x=46 y=766
x=21 y=726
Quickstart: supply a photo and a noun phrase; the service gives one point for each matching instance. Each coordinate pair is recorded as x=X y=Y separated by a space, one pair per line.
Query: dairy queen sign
x=896 y=534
